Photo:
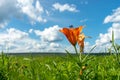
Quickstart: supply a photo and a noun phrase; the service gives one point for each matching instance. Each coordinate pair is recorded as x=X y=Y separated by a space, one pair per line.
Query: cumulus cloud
x=104 y=38
x=33 y=12
x=115 y=17
x=54 y=45
x=87 y=47
x=64 y=7
x=19 y=8
x=13 y=35
x=16 y=40
x=50 y=34
x=10 y=37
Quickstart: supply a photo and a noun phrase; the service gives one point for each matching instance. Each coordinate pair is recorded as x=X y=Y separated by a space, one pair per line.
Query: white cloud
x=39 y=8
x=65 y=7
x=101 y=48
x=10 y=37
x=16 y=34
x=50 y=34
x=13 y=35
x=34 y=12
x=87 y=47
x=47 y=12
x=54 y=45
x=115 y=17
x=19 y=8
x=104 y=39
x=30 y=30
x=83 y=20
x=14 y=40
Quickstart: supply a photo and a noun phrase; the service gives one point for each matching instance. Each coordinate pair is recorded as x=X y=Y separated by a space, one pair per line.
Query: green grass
x=58 y=68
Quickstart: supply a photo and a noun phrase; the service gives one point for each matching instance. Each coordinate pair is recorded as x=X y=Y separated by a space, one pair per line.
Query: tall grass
x=58 y=68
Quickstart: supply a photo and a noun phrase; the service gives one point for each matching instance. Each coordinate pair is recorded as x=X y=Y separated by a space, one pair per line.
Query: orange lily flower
x=72 y=34
x=81 y=42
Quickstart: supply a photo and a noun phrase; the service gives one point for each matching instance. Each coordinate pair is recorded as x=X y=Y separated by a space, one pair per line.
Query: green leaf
x=84 y=59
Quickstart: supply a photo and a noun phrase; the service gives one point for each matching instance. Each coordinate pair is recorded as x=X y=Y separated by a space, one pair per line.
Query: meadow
x=79 y=66
x=56 y=67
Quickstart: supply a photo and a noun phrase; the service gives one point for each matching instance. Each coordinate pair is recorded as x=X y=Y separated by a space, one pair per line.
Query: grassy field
x=53 y=67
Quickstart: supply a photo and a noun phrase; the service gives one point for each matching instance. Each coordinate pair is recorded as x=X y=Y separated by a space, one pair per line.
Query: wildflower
x=72 y=34
x=81 y=72
x=81 y=42
x=83 y=68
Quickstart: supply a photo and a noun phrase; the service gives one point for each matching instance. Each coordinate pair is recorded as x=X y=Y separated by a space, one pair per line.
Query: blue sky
x=32 y=25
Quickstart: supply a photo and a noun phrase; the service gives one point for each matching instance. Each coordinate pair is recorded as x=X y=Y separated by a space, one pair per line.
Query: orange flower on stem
x=72 y=34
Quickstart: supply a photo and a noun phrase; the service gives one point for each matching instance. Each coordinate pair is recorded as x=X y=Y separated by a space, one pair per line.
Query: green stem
x=75 y=49
x=78 y=54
